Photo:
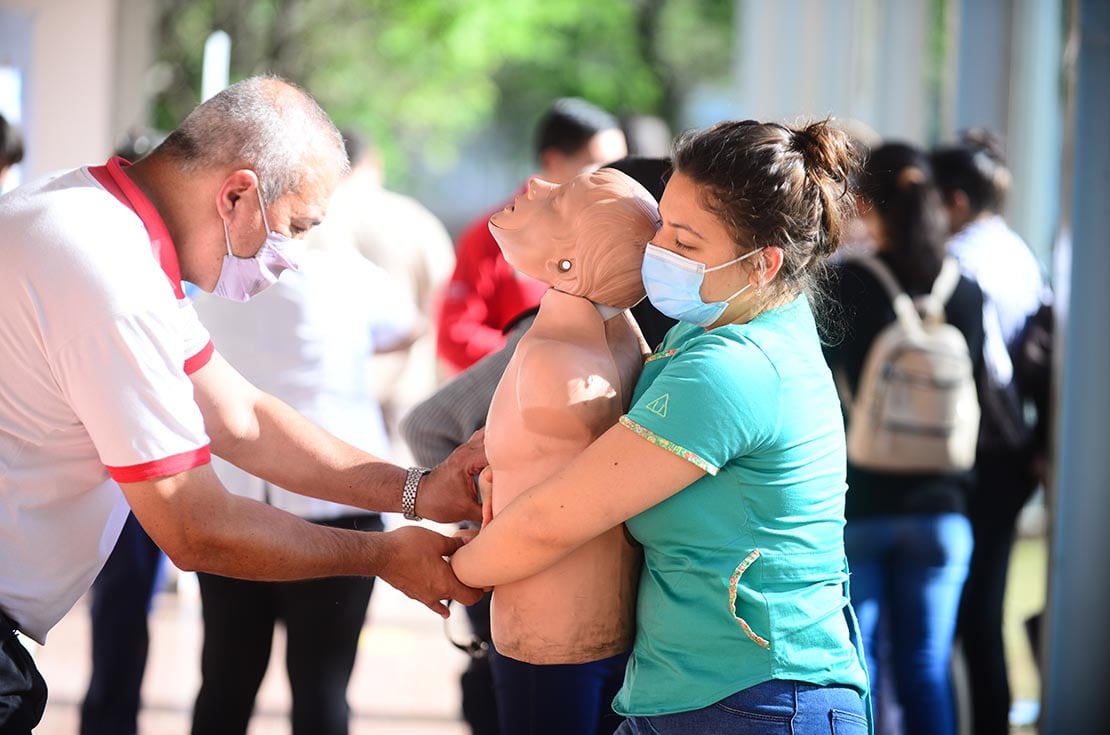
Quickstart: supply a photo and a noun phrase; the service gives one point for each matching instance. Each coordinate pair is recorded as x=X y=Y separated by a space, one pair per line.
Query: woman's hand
x=485 y=492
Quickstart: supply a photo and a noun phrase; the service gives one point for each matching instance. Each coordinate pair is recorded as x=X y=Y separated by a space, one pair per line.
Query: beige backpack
x=916 y=409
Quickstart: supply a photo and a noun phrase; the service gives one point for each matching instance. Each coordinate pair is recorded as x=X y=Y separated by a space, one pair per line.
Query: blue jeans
x=910 y=570
x=771 y=708
x=557 y=699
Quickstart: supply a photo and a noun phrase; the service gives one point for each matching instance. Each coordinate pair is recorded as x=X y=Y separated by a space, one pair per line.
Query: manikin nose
x=537 y=186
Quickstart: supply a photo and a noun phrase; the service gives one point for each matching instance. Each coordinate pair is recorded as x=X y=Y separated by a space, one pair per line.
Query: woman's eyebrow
x=688 y=228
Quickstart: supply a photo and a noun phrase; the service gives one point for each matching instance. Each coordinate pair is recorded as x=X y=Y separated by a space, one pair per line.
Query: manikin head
x=585 y=237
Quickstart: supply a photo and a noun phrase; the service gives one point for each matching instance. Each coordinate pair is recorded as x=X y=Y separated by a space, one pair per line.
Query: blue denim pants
x=910 y=570
x=771 y=708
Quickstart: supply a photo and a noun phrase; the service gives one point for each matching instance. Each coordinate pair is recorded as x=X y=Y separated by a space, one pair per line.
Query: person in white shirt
x=399 y=234
x=113 y=397
x=309 y=340
x=974 y=181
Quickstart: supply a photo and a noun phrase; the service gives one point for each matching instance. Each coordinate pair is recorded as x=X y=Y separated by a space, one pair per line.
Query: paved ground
x=405 y=680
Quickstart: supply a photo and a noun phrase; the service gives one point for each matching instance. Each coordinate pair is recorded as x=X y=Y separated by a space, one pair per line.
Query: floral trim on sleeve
x=659 y=356
x=670 y=446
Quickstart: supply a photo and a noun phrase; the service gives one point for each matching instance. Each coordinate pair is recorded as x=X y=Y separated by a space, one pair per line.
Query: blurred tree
x=423 y=74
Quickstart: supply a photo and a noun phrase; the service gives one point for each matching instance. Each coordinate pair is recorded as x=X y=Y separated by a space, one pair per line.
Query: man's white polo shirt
x=96 y=338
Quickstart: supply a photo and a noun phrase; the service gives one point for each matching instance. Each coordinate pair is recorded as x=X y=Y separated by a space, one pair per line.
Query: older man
x=109 y=382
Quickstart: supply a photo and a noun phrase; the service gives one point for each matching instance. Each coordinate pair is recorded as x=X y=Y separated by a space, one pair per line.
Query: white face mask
x=673 y=285
x=242 y=278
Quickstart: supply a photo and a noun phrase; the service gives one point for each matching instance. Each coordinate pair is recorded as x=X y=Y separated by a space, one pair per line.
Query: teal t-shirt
x=744 y=576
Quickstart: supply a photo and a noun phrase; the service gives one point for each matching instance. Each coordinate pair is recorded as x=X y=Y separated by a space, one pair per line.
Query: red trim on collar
x=113 y=178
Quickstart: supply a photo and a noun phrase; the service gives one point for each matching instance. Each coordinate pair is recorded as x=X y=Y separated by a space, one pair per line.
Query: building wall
x=877 y=62
x=861 y=59
x=68 y=71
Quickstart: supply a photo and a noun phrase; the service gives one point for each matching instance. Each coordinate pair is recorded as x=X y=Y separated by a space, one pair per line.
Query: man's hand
x=416 y=566
x=447 y=495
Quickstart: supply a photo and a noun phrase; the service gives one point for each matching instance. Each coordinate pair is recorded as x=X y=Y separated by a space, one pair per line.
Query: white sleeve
x=124 y=378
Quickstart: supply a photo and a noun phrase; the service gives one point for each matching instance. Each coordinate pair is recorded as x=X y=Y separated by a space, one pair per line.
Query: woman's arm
x=616 y=477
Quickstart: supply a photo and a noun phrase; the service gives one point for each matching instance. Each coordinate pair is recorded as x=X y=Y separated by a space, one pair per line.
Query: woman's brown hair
x=773 y=185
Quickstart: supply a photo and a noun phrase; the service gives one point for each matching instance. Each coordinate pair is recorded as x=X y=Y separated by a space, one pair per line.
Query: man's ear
x=237 y=185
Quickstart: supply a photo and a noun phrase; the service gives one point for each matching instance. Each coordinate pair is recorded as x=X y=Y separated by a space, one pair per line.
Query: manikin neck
x=607 y=312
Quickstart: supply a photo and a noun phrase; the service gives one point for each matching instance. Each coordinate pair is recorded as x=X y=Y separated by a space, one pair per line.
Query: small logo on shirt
x=659 y=405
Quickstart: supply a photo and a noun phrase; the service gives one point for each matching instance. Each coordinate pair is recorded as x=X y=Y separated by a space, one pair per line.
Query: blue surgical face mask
x=242 y=278
x=673 y=285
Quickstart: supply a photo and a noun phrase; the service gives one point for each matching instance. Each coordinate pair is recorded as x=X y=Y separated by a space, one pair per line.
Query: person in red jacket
x=485 y=293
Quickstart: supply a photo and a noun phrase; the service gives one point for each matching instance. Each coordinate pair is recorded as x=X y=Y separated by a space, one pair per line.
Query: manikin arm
x=616 y=477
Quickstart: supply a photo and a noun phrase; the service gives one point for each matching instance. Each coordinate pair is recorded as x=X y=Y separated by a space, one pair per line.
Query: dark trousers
x=22 y=688
x=1005 y=482
x=557 y=699
x=479 y=704
x=323 y=619
x=121 y=599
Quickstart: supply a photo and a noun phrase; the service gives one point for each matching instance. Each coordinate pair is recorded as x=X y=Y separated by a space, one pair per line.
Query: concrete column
x=1077 y=667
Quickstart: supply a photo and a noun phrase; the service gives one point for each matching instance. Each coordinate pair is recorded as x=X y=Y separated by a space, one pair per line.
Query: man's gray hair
x=263 y=123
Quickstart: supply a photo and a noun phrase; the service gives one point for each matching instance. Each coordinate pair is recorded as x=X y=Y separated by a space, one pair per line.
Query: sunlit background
x=449 y=91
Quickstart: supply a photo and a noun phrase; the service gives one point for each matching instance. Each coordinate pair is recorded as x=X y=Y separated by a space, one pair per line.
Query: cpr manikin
x=570 y=379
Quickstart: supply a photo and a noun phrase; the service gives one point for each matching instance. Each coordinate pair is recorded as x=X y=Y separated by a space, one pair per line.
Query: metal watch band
x=408 y=495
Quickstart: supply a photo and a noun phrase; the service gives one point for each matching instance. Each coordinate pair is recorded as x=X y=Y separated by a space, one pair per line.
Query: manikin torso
x=568 y=382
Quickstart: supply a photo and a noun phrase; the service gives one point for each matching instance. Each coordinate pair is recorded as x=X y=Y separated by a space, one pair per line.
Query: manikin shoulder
x=565 y=388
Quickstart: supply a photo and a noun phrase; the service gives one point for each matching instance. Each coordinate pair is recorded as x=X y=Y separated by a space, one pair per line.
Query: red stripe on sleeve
x=199 y=360
x=161 y=467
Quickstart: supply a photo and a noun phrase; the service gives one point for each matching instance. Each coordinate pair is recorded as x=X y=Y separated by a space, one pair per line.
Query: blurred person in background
x=11 y=149
x=484 y=292
x=401 y=236
x=974 y=180
x=907 y=537
x=309 y=340
x=112 y=396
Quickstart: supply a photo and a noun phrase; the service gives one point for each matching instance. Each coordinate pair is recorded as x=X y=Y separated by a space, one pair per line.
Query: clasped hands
x=417 y=558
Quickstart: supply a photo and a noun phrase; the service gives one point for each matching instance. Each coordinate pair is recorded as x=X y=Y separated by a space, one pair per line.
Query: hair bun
x=982 y=140
x=831 y=160
x=825 y=150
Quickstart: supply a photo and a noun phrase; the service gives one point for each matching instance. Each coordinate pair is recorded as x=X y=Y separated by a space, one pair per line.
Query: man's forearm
x=291 y=452
x=203 y=527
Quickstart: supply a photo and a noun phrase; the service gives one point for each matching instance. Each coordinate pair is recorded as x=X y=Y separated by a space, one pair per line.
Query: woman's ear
x=767 y=265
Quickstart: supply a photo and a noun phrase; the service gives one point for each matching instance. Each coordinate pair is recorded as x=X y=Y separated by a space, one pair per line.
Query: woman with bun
x=729 y=466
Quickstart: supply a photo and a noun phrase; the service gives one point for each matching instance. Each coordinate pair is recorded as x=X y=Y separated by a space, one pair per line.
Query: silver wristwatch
x=408 y=495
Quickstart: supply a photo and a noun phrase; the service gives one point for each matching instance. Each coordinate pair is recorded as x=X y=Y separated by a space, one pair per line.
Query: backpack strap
x=904 y=309
x=943 y=288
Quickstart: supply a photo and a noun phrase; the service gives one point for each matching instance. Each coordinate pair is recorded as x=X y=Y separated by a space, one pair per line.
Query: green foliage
x=422 y=75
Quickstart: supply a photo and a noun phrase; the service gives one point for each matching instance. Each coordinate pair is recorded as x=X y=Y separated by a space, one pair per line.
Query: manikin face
x=586 y=237
x=539 y=223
